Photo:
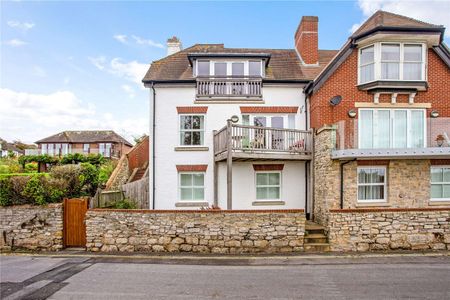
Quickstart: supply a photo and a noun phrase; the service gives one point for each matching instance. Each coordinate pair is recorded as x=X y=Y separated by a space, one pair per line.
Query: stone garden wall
x=31 y=227
x=195 y=231
x=389 y=229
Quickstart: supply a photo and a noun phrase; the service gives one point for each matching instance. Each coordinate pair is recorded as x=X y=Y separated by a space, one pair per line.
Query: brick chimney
x=307 y=40
x=173 y=45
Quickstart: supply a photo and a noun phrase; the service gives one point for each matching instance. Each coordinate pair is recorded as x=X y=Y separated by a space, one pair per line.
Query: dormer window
x=392 y=62
x=225 y=68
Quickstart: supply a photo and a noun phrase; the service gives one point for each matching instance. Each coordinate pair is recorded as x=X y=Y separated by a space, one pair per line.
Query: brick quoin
x=192 y=168
x=192 y=109
x=268 y=109
x=344 y=80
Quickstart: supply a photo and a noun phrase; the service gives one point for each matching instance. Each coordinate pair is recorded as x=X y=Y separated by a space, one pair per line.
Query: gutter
x=341 y=165
x=153 y=146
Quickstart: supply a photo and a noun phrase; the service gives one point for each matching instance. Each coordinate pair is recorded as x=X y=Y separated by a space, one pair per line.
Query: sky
x=78 y=65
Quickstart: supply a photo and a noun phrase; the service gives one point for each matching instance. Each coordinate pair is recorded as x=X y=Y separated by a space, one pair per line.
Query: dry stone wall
x=229 y=232
x=390 y=229
x=31 y=227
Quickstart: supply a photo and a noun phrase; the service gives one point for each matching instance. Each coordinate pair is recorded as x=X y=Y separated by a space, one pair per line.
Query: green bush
x=31 y=167
x=88 y=179
x=125 y=204
x=55 y=190
x=105 y=171
x=35 y=190
x=75 y=158
x=43 y=158
x=5 y=191
x=70 y=174
x=9 y=165
x=17 y=184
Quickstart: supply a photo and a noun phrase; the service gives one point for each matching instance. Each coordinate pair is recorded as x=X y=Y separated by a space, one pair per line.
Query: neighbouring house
x=7 y=149
x=381 y=112
x=104 y=142
x=230 y=126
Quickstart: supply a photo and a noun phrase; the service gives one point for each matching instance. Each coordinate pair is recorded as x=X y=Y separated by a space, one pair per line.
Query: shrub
x=31 y=167
x=9 y=165
x=105 y=171
x=35 y=190
x=70 y=174
x=5 y=191
x=17 y=184
x=88 y=179
x=43 y=158
x=55 y=190
x=125 y=204
x=75 y=158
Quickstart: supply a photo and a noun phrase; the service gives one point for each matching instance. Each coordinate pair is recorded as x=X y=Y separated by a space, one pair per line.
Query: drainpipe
x=342 y=181
x=153 y=146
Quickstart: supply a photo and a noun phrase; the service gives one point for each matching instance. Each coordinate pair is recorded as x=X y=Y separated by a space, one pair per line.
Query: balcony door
x=269 y=139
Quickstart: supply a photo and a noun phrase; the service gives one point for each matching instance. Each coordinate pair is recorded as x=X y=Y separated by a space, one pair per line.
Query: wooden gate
x=74 y=224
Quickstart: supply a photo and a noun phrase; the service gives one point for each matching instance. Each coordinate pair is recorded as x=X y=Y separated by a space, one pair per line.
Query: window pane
x=412 y=71
x=367 y=73
x=186 y=138
x=220 y=69
x=274 y=178
x=259 y=121
x=186 y=179
x=417 y=128
x=197 y=122
x=261 y=193
x=390 y=70
x=364 y=193
x=186 y=194
x=198 y=179
x=382 y=133
x=390 y=52
x=412 y=53
x=436 y=175
x=400 y=129
x=203 y=68
x=198 y=194
x=446 y=174
x=273 y=193
x=245 y=120
x=377 y=192
x=367 y=55
x=185 y=122
x=366 y=127
x=237 y=69
x=436 y=191
x=196 y=138
x=378 y=175
x=262 y=179
x=446 y=191
x=254 y=68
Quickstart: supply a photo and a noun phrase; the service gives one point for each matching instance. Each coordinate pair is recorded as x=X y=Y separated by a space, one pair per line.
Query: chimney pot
x=173 y=45
x=307 y=40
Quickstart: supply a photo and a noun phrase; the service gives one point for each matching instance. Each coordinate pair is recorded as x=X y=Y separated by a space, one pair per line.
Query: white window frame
x=88 y=148
x=192 y=130
x=192 y=186
x=280 y=186
x=377 y=61
x=372 y=63
x=391 y=125
x=44 y=148
x=358 y=184
x=229 y=66
x=439 y=183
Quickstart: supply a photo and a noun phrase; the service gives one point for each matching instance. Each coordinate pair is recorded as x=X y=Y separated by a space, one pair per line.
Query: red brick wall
x=307 y=39
x=344 y=80
x=139 y=155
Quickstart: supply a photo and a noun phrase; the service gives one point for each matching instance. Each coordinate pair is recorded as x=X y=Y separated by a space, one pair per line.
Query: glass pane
x=378 y=175
x=198 y=179
x=400 y=129
x=185 y=122
x=245 y=120
x=196 y=138
x=390 y=70
x=446 y=174
x=412 y=71
x=203 y=68
x=186 y=194
x=412 y=53
x=197 y=122
x=367 y=55
x=382 y=134
x=436 y=175
x=366 y=127
x=273 y=193
x=186 y=138
x=237 y=69
x=261 y=193
x=274 y=178
x=291 y=121
x=367 y=73
x=262 y=179
x=364 y=193
x=446 y=191
x=220 y=69
x=390 y=52
x=198 y=194
x=417 y=129
x=436 y=191
x=277 y=122
x=254 y=68
x=377 y=192
x=259 y=121
x=186 y=179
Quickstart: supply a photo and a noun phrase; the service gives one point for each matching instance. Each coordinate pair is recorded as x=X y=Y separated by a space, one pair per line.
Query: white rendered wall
x=167 y=138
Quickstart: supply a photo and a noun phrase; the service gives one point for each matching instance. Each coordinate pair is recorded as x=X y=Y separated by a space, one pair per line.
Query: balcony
x=434 y=144
x=247 y=143
x=229 y=88
x=112 y=154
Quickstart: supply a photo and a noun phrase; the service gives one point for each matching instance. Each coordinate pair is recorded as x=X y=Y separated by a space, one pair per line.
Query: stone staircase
x=315 y=238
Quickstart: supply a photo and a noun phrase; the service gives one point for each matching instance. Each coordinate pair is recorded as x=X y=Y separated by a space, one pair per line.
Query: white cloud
x=15 y=43
x=129 y=90
x=98 y=62
x=29 y=117
x=431 y=11
x=148 y=42
x=133 y=70
x=24 y=26
x=121 y=38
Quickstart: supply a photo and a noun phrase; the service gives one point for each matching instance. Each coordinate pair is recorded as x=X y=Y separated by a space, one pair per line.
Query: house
x=7 y=149
x=381 y=113
x=230 y=127
x=104 y=142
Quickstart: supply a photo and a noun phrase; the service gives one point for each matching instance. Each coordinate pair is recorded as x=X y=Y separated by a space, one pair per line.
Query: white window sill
x=268 y=202
x=373 y=204
x=192 y=204
x=191 y=148
x=439 y=202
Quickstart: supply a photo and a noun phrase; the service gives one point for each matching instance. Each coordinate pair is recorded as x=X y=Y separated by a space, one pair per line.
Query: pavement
x=85 y=276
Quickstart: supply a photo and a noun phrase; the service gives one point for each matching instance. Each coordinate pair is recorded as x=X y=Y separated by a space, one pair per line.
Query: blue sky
x=78 y=65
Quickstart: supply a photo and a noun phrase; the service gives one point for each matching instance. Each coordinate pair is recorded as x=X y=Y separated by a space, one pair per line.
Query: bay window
x=392 y=61
x=440 y=183
x=391 y=128
x=192 y=130
x=371 y=184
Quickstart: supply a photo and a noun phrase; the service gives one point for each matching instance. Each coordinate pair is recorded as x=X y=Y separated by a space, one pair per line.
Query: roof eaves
x=440 y=29
x=443 y=52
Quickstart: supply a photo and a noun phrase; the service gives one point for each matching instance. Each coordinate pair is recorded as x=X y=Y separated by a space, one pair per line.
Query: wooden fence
x=105 y=198
x=138 y=191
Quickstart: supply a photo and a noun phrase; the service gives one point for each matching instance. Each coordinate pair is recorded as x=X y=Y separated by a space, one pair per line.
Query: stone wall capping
x=182 y=211
x=325 y=128
x=364 y=210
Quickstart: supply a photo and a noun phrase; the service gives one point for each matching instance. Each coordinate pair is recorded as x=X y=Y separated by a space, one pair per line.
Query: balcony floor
x=407 y=153
x=261 y=156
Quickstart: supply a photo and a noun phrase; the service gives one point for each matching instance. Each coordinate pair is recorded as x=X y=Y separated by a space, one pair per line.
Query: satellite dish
x=335 y=100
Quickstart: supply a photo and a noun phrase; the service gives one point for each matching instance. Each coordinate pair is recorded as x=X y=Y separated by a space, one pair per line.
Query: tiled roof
x=85 y=136
x=386 y=19
x=284 y=64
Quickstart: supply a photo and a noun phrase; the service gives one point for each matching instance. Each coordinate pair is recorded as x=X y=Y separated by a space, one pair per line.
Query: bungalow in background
x=7 y=148
x=104 y=142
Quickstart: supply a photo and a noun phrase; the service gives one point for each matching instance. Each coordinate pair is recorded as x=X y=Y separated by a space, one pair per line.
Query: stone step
x=315 y=238
x=316 y=247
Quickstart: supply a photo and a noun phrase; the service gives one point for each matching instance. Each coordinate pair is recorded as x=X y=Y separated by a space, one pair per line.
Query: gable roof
x=386 y=20
x=284 y=64
x=85 y=136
